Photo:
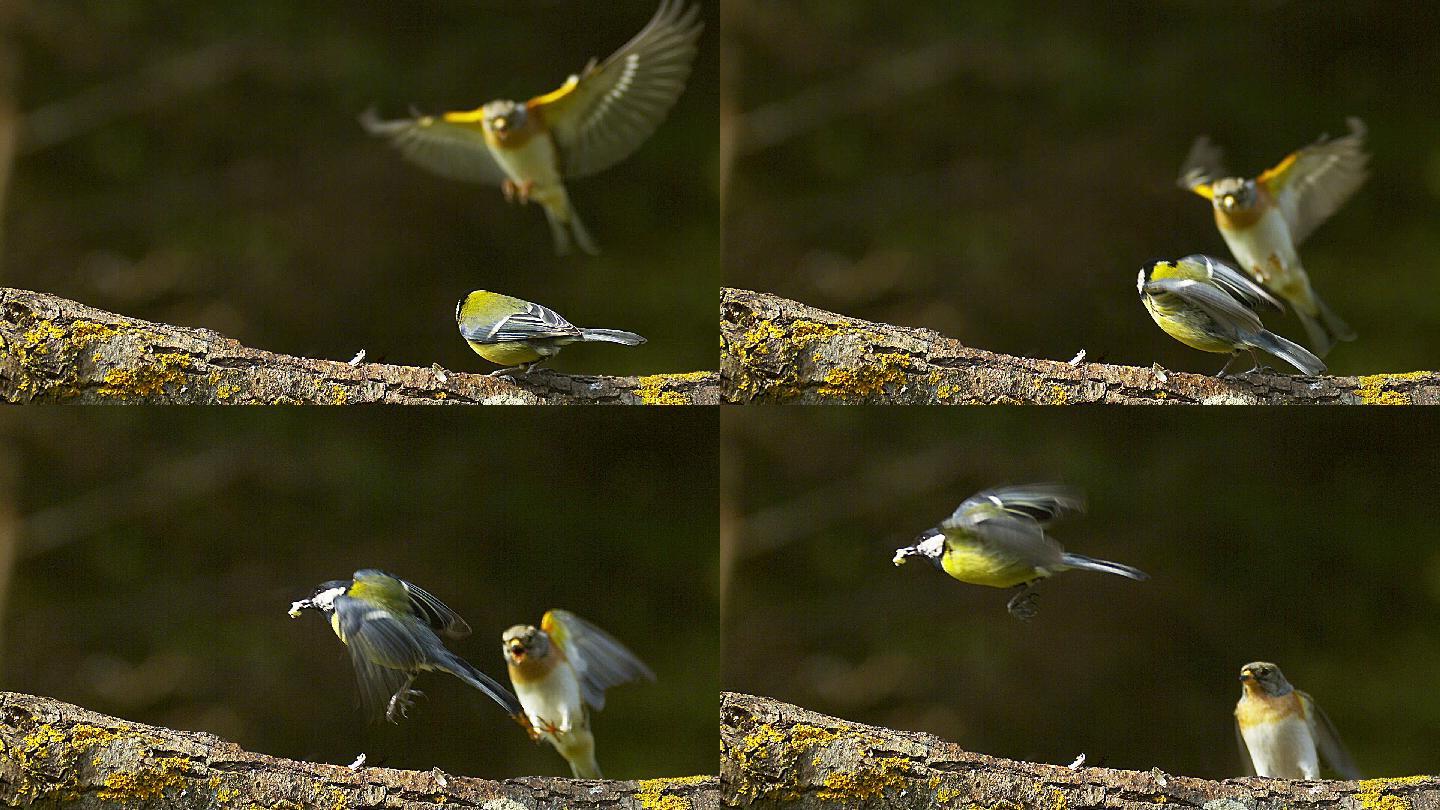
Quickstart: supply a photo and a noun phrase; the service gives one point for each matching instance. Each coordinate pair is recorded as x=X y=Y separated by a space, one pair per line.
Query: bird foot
x=1024 y=605
x=400 y=704
x=547 y=727
x=517 y=192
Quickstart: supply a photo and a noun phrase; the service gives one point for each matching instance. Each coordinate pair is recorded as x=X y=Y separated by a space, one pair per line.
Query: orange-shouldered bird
x=1264 y=219
x=560 y=671
x=593 y=121
x=1281 y=730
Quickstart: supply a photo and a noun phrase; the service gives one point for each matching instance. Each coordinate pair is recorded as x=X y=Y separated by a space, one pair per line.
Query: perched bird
x=997 y=538
x=389 y=626
x=1280 y=729
x=1265 y=219
x=1209 y=305
x=593 y=121
x=561 y=671
x=520 y=335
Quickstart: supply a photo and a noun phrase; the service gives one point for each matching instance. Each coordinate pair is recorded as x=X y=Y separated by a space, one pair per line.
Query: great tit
x=593 y=121
x=997 y=538
x=560 y=671
x=390 y=625
x=1209 y=305
x=1281 y=730
x=520 y=335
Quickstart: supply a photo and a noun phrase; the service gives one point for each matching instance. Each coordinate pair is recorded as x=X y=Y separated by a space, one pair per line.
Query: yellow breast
x=506 y=354
x=972 y=564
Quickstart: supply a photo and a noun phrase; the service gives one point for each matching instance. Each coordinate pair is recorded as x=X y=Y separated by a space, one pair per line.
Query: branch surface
x=773 y=754
x=56 y=350
x=776 y=350
x=55 y=754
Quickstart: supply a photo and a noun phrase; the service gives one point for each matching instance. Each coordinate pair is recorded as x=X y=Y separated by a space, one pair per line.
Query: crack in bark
x=56 y=350
x=774 y=350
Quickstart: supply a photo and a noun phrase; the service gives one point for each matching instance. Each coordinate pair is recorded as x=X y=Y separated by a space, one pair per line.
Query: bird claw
x=1023 y=605
x=547 y=727
x=400 y=703
x=517 y=192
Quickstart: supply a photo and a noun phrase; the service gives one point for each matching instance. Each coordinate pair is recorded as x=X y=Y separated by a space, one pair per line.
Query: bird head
x=503 y=117
x=930 y=544
x=321 y=599
x=1234 y=194
x=1265 y=677
x=524 y=642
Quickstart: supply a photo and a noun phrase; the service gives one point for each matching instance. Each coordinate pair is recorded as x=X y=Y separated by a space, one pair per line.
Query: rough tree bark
x=777 y=350
x=55 y=350
x=773 y=754
x=53 y=754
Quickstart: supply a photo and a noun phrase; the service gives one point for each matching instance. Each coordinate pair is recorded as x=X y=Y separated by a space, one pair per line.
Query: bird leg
x=1224 y=368
x=523 y=720
x=517 y=192
x=523 y=368
x=1022 y=605
x=401 y=701
x=547 y=727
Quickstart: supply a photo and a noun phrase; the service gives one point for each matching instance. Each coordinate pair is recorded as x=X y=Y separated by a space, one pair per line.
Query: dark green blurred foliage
x=160 y=551
x=255 y=205
x=1000 y=171
x=1302 y=537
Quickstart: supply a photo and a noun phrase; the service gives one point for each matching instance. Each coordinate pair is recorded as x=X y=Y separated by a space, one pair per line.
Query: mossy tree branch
x=55 y=754
x=773 y=754
x=777 y=350
x=56 y=350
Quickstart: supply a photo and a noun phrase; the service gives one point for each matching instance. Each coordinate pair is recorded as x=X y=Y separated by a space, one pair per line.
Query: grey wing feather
x=436 y=613
x=1012 y=520
x=449 y=150
x=535 y=322
x=1327 y=739
x=1249 y=763
x=1237 y=283
x=1329 y=172
x=599 y=659
x=1204 y=164
x=1043 y=502
x=384 y=650
x=621 y=101
x=1222 y=307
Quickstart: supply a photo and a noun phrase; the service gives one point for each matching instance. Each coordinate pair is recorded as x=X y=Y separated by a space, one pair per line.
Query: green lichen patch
x=1374 y=796
x=657 y=794
x=660 y=389
x=1373 y=389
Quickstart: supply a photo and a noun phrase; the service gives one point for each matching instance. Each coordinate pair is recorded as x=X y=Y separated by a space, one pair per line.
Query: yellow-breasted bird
x=1209 y=305
x=997 y=538
x=389 y=626
x=560 y=672
x=521 y=335
x=1281 y=730
x=593 y=121
x=1264 y=219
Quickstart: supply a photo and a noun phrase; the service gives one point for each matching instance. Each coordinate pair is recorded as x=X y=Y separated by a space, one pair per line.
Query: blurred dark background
x=1301 y=537
x=200 y=163
x=151 y=556
x=1000 y=171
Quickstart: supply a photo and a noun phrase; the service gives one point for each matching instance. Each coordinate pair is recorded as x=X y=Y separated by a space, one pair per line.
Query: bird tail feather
x=1290 y=351
x=465 y=671
x=611 y=336
x=1104 y=566
x=566 y=227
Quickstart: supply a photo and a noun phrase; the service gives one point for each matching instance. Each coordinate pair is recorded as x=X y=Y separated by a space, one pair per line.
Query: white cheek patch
x=325 y=600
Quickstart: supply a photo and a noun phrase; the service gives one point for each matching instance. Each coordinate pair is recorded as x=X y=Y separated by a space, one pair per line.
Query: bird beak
x=296 y=607
x=1228 y=201
x=1246 y=676
x=517 y=650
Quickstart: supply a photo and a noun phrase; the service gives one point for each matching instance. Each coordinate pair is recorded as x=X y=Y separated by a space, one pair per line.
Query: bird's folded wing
x=603 y=115
x=436 y=613
x=1203 y=166
x=384 y=649
x=599 y=660
x=450 y=149
x=1312 y=183
x=536 y=322
x=1218 y=304
x=1327 y=740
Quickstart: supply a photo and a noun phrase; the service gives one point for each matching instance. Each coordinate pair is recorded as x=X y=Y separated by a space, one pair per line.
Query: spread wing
x=600 y=661
x=384 y=649
x=603 y=115
x=452 y=149
x=435 y=613
x=1218 y=304
x=1245 y=758
x=1204 y=165
x=534 y=322
x=1012 y=520
x=1238 y=284
x=1314 y=182
x=1327 y=739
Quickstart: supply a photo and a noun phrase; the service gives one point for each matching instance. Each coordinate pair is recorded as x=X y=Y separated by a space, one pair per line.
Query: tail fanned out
x=1104 y=566
x=1290 y=351
x=611 y=336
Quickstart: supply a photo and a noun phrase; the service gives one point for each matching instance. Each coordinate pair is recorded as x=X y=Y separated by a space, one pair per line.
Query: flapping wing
x=384 y=649
x=435 y=613
x=1314 y=182
x=603 y=115
x=534 y=322
x=599 y=660
x=1327 y=739
x=1248 y=762
x=1012 y=520
x=456 y=150
x=1238 y=284
x=1204 y=165
x=1044 y=503
x=1220 y=305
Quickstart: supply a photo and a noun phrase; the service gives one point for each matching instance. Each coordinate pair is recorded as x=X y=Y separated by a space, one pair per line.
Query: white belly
x=536 y=163
x=1264 y=249
x=554 y=701
x=1285 y=749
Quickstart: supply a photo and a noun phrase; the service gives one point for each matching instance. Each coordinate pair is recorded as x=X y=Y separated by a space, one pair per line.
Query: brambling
x=593 y=121
x=1209 y=305
x=1264 y=220
x=390 y=625
x=1280 y=729
x=520 y=335
x=561 y=671
x=997 y=538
